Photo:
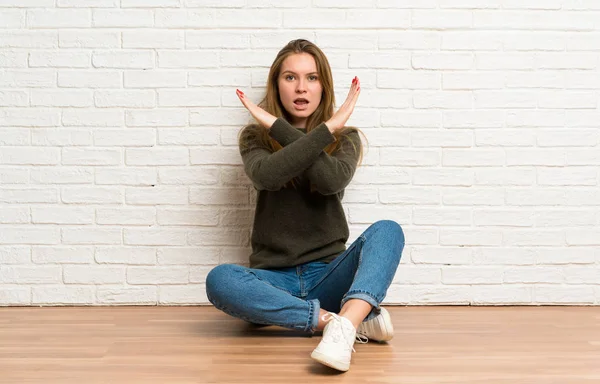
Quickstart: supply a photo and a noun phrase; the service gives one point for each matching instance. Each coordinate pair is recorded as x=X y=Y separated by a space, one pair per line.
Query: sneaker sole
x=330 y=362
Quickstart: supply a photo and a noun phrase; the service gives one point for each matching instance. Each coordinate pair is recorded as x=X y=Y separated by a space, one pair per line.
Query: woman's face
x=299 y=87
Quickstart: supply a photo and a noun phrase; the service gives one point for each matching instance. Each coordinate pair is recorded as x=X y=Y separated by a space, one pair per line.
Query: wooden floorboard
x=442 y=345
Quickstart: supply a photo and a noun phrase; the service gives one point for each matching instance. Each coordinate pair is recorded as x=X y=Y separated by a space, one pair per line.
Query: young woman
x=300 y=156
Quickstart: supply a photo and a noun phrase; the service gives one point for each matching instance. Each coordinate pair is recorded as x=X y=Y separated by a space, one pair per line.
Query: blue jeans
x=291 y=297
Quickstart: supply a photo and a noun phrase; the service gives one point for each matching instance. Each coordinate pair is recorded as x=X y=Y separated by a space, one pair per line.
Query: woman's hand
x=263 y=117
x=339 y=119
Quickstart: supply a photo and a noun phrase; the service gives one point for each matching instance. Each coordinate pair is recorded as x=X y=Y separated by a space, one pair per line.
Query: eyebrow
x=287 y=70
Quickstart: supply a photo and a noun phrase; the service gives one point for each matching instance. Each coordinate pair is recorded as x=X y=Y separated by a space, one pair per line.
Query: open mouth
x=301 y=101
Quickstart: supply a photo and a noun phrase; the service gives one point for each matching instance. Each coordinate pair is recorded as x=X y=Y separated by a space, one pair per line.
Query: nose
x=300 y=86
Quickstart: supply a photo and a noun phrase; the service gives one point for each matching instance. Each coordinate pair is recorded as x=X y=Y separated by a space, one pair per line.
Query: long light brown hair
x=272 y=104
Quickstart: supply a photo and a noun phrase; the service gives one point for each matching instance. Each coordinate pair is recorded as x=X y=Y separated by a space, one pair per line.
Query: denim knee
x=392 y=227
x=218 y=278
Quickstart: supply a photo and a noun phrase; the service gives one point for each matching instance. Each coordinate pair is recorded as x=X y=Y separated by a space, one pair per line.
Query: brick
x=381 y=175
x=155 y=79
x=498 y=294
x=61 y=137
x=123 y=18
x=126 y=216
x=125 y=176
x=539 y=237
x=88 y=38
x=94 y=236
x=136 y=138
x=189 y=98
x=12 y=59
x=205 y=156
x=91 y=195
x=441 y=255
x=442 y=216
x=127 y=295
x=62 y=215
x=62 y=175
x=35 y=117
x=154 y=156
x=63 y=295
x=14 y=215
x=471 y=275
x=61 y=98
x=13 y=99
x=13 y=19
x=15 y=255
x=443 y=19
x=470 y=237
x=505 y=138
x=156 y=195
x=15 y=295
x=29 y=39
x=219 y=236
x=29 y=156
x=153 y=39
x=188 y=59
x=59 y=59
x=93 y=117
x=188 y=136
x=217 y=40
x=89 y=3
x=124 y=59
x=408 y=195
x=498 y=217
x=150 y=3
x=59 y=18
x=218 y=196
x=410 y=158
x=89 y=79
x=14 y=176
x=152 y=237
x=125 y=99
x=37 y=274
x=434 y=295
x=189 y=175
x=62 y=255
x=74 y=156
x=548 y=294
x=183 y=294
x=189 y=255
x=93 y=274
x=157 y=275
x=222 y=77
x=126 y=255
x=195 y=217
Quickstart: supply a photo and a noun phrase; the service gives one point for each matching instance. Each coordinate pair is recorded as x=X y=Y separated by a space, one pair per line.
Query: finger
x=239 y=94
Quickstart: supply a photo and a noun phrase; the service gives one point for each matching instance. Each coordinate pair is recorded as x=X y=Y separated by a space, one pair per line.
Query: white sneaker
x=379 y=328
x=336 y=347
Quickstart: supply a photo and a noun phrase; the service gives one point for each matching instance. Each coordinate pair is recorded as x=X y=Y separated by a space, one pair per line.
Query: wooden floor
x=172 y=345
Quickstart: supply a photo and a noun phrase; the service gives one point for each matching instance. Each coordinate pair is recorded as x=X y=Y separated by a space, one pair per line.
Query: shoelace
x=359 y=338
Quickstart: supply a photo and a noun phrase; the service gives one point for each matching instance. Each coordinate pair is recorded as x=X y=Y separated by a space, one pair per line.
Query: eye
x=287 y=77
x=313 y=77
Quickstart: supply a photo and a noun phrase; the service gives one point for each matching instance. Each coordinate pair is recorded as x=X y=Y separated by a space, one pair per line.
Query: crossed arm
x=302 y=153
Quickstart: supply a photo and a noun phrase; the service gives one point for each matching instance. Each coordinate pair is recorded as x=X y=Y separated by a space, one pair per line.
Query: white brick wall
x=121 y=181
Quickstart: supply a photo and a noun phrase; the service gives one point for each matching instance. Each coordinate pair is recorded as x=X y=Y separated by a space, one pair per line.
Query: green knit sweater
x=296 y=226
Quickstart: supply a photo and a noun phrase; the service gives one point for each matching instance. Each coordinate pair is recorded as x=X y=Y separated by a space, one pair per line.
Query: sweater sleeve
x=271 y=170
x=329 y=173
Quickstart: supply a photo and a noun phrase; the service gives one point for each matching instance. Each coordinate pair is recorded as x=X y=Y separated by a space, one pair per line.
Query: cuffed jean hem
x=363 y=296
x=313 y=315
